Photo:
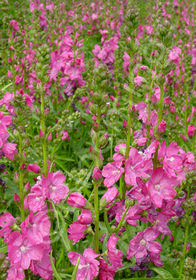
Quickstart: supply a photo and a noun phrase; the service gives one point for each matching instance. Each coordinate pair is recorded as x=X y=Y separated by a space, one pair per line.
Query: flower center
x=23 y=248
x=171 y=159
x=143 y=242
x=157 y=187
x=52 y=187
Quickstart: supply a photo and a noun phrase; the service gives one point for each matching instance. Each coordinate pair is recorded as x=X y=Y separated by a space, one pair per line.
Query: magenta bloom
x=143 y=244
x=85 y=218
x=112 y=171
x=106 y=272
x=136 y=166
x=36 y=199
x=76 y=231
x=160 y=187
x=76 y=199
x=110 y=195
x=43 y=266
x=57 y=190
x=191 y=130
x=88 y=267
x=162 y=126
x=36 y=227
x=138 y=81
x=33 y=168
x=6 y=220
x=14 y=273
x=172 y=157
x=114 y=254
x=96 y=173
x=9 y=150
x=21 y=251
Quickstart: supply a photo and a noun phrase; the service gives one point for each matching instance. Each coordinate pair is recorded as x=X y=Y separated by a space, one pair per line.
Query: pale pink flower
x=88 y=267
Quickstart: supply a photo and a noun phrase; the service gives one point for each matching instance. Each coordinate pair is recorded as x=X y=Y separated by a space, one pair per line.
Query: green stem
x=122 y=220
x=160 y=114
x=96 y=197
x=21 y=180
x=123 y=191
x=26 y=275
x=43 y=128
x=186 y=109
x=186 y=235
x=184 y=249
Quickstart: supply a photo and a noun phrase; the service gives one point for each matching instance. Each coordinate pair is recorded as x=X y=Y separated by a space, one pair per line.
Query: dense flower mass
x=98 y=140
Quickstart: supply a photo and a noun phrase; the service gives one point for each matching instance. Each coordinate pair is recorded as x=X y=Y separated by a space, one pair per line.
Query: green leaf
x=75 y=270
x=57 y=276
x=163 y=273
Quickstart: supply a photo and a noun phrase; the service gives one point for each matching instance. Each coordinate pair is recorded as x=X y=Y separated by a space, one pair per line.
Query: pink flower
x=76 y=199
x=191 y=130
x=162 y=126
x=126 y=63
x=172 y=159
x=34 y=168
x=143 y=244
x=138 y=81
x=36 y=199
x=5 y=120
x=14 y=24
x=85 y=217
x=6 y=220
x=9 y=150
x=112 y=171
x=136 y=166
x=36 y=227
x=110 y=195
x=14 y=273
x=88 y=267
x=114 y=254
x=21 y=251
x=65 y=135
x=106 y=272
x=56 y=189
x=96 y=173
x=160 y=187
x=43 y=266
x=76 y=231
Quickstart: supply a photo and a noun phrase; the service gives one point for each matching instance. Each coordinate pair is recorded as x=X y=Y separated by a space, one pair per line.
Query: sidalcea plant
x=104 y=99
